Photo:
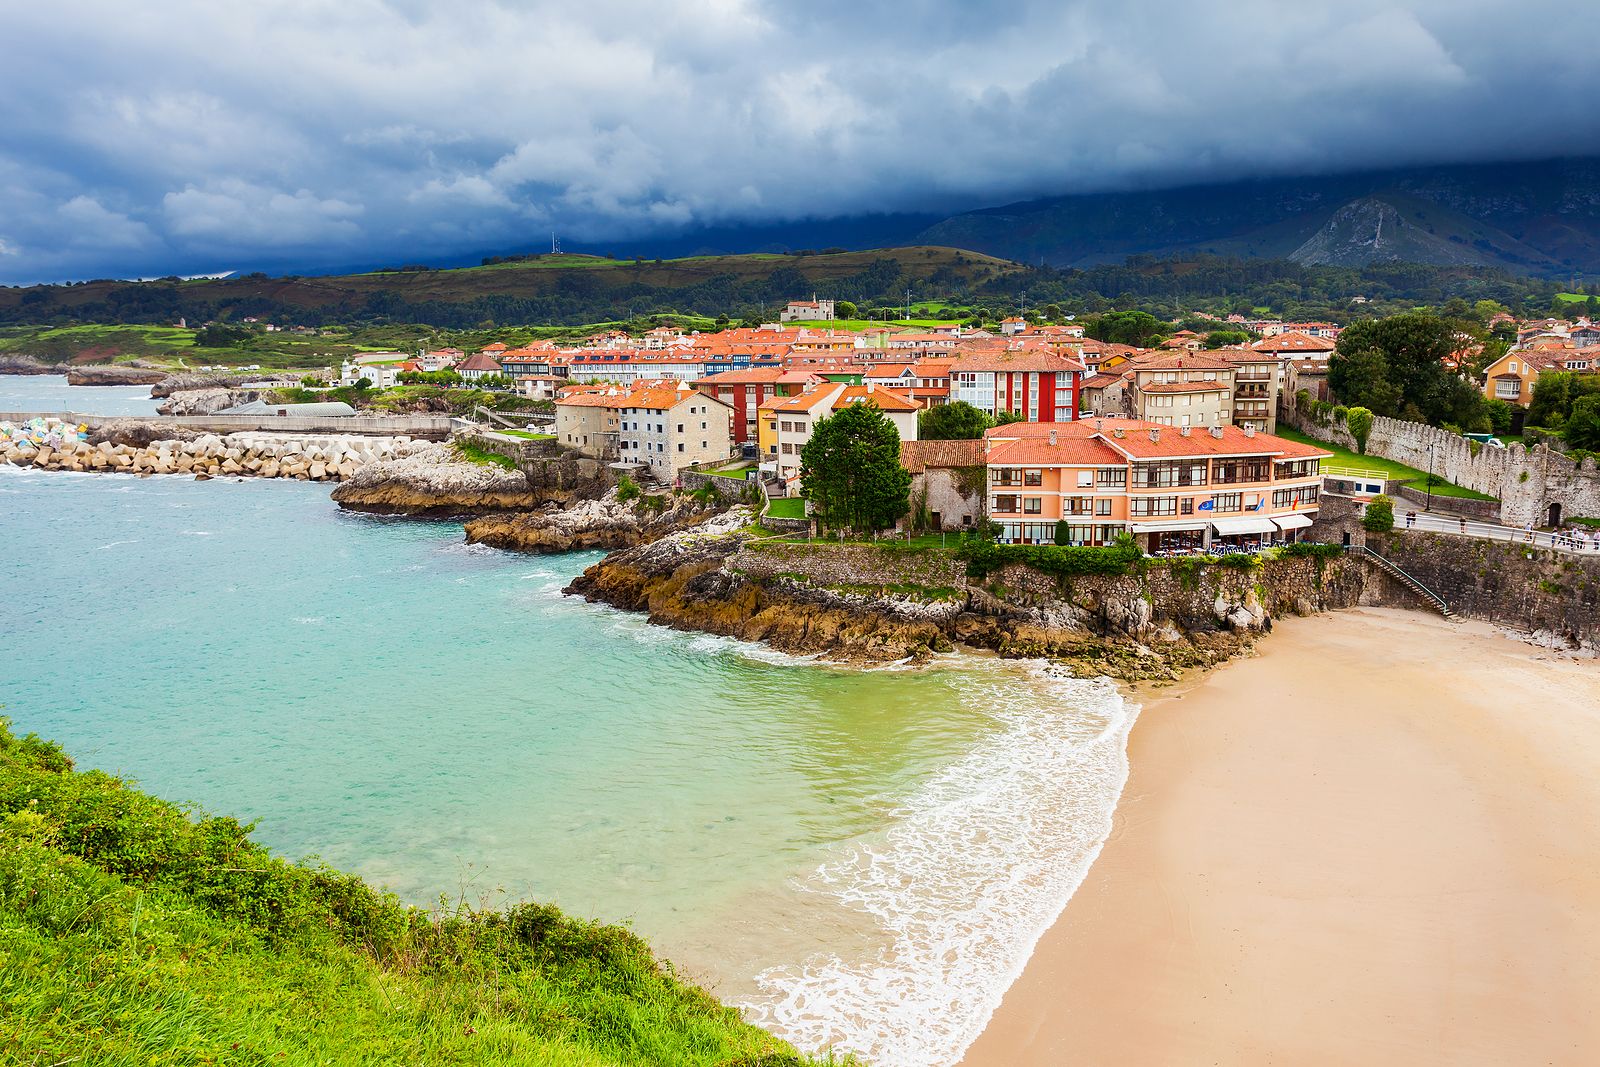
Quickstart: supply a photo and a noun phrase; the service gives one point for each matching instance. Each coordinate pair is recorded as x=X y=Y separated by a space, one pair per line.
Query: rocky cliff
x=126 y=374
x=602 y=523
x=435 y=481
x=884 y=604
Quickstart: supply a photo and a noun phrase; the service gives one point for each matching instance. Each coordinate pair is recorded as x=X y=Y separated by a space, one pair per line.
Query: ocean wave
x=961 y=886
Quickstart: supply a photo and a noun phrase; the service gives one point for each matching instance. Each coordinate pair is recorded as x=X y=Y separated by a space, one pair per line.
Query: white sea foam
x=973 y=870
x=115 y=544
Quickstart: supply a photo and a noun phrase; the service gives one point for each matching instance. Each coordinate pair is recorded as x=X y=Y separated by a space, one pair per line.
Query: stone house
x=947 y=478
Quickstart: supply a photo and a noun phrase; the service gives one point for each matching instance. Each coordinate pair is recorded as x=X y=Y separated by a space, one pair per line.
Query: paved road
x=1492 y=532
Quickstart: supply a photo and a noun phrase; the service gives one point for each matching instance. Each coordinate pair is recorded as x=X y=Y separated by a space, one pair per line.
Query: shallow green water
x=439 y=718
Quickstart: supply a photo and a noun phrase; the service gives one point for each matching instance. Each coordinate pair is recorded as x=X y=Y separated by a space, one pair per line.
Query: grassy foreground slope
x=133 y=931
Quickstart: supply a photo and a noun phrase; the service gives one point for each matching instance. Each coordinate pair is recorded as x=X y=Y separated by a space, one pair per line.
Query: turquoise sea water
x=50 y=393
x=861 y=858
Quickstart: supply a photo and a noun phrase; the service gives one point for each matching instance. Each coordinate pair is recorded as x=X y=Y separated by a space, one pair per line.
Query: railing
x=1388 y=565
x=1361 y=474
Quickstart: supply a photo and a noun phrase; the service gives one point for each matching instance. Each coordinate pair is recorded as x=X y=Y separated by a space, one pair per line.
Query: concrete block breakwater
x=254 y=455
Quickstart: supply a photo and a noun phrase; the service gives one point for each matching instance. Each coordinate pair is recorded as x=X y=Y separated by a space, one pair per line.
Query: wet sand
x=1376 y=842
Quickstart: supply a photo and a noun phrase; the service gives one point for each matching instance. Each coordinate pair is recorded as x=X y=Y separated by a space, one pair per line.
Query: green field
x=1343 y=457
x=787 y=507
x=135 y=931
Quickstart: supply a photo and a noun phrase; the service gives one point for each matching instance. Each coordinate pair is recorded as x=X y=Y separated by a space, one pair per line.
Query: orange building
x=1172 y=488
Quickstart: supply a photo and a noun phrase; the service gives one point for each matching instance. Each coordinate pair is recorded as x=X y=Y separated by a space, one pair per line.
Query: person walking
x=1463 y=525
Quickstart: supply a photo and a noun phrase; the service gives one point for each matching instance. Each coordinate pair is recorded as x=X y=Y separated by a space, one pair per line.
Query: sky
x=191 y=136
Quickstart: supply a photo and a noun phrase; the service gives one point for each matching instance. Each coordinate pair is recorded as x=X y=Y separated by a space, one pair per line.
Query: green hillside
x=133 y=931
x=555 y=289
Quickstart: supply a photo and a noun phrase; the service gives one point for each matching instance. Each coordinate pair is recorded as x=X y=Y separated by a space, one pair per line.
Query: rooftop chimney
x=1099 y=424
x=1155 y=434
x=1216 y=431
x=1117 y=432
x=1052 y=437
x=1249 y=431
x=1184 y=431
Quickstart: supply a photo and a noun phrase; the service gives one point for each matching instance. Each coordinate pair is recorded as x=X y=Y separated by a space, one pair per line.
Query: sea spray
x=971 y=872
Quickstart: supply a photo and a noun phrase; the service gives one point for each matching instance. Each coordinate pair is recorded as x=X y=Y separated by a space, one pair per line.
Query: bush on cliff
x=984 y=557
x=1379 y=516
x=136 y=931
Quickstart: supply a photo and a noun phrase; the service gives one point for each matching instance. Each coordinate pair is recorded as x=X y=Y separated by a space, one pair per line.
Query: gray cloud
x=194 y=136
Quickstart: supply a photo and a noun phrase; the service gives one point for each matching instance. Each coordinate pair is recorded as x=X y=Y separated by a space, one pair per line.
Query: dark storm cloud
x=203 y=136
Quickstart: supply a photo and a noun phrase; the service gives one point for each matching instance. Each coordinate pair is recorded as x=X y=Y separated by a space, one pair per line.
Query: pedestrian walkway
x=1580 y=544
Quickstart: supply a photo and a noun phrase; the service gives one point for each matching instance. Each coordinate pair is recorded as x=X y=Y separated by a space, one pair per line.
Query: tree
x=956 y=421
x=1415 y=347
x=1218 y=338
x=1583 y=425
x=844 y=309
x=851 y=470
x=1379 y=517
x=1006 y=418
x=1126 y=328
x=1063 y=532
x=1362 y=378
x=1359 y=422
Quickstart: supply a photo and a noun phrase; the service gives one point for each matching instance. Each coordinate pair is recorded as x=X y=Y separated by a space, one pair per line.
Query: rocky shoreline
x=435 y=481
x=798 y=598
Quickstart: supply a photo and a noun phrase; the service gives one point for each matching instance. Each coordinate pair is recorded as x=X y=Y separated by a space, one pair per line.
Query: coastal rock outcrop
x=208 y=401
x=435 y=480
x=122 y=374
x=14 y=364
x=606 y=522
x=190 y=381
x=885 y=603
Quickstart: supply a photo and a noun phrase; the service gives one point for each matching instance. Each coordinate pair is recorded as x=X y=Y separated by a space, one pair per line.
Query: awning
x=1170 y=526
x=1255 y=525
x=1292 y=522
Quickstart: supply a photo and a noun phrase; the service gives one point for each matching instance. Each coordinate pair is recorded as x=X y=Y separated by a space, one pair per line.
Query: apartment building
x=670 y=427
x=590 y=421
x=1171 y=488
x=786 y=423
x=1180 y=389
x=744 y=391
x=1038 y=383
x=1257 y=382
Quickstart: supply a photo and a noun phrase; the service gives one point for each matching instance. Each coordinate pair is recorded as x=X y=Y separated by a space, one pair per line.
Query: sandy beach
x=1374 y=843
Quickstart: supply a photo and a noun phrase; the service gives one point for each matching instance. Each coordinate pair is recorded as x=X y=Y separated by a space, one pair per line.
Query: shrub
x=1063 y=531
x=984 y=557
x=1359 y=422
x=627 y=489
x=1379 y=517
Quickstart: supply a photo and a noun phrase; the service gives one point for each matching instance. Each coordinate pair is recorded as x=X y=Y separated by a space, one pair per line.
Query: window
x=1283 y=498
x=1508 y=389
x=1187 y=505
x=1007 y=477
x=1032 y=505
x=1233 y=471
x=1005 y=504
x=1111 y=477
x=1033 y=477
x=1153 y=505
x=1227 y=502
x=680 y=427
x=1102 y=506
x=1085 y=479
x=680 y=446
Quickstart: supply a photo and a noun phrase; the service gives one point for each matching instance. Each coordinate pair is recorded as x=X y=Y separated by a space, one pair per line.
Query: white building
x=670 y=427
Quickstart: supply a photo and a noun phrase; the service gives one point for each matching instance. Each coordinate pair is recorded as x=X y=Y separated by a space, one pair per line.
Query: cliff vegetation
x=136 y=931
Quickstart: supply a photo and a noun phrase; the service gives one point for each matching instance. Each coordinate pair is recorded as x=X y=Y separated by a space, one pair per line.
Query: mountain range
x=1540 y=218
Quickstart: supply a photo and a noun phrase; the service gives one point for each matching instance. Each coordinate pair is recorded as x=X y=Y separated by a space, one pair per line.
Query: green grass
x=1572 y=298
x=787 y=507
x=526 y=436
x=1343 y=457
x=482 y=457
x=134 y=931
x=1583 y=520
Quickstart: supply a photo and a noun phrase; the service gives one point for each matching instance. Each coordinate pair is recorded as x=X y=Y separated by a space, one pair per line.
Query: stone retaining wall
x=210 y=456
x=1525 y=480
x=728 y=490
x=1554 y=596
x=865 y=565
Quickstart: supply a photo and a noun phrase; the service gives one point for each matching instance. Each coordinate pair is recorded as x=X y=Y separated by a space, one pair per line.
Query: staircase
x=1392 y=569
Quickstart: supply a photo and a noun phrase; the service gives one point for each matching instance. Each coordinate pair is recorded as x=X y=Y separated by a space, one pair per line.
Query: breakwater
x=258 y=455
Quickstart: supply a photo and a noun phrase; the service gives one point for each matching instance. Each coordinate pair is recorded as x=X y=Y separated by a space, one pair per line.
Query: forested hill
x=946 y=282
x=514 y=290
